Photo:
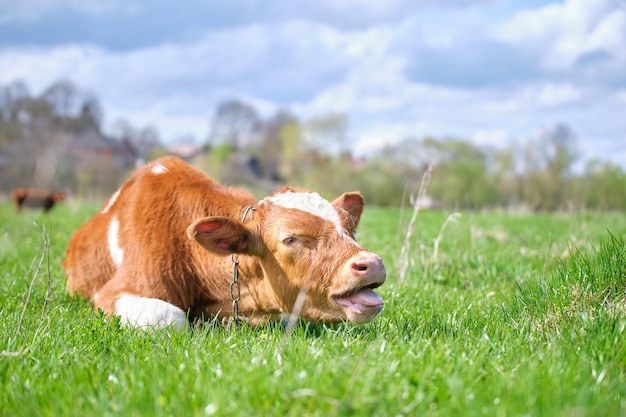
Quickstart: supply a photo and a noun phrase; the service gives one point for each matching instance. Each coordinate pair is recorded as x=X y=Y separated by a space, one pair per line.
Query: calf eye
x=289 y=241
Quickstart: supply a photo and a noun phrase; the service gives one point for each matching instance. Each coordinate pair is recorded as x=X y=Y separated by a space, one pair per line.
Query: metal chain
x=235 y=289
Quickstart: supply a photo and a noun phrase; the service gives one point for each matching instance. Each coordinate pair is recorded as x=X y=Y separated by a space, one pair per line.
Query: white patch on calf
x=117 y=253
x=158 y=169
x=311 y=203
x=111 y=201
x=149 y=312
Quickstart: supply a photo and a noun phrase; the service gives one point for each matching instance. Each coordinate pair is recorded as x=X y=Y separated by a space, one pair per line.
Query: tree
x=290 y=136
x=278 y=147
x=460 y=178
x=72 y=109
x=603 y=186
x=561 y=155
x=505 y=178
x=233 y=123
x=547 y=164
x=327 y=134
x=144 y=140
x=64 y=97
x=12 y=98
x=91 y=114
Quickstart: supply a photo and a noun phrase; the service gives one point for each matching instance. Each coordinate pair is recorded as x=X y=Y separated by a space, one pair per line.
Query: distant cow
x=36 y=198
x=162 y=250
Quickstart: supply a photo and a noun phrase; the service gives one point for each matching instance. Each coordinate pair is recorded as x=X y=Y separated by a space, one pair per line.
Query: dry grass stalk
x=43 y=258
x=295 y=312
x=452 y=218
x=402 y=265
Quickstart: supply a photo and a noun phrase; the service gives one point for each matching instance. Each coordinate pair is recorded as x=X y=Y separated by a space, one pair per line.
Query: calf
x=163 y=248
x=36 y=198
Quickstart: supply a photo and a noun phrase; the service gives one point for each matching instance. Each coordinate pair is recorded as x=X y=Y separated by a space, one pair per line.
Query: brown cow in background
x=36 y=198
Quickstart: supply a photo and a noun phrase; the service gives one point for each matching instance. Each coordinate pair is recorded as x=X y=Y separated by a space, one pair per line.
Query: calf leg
x=134 y=310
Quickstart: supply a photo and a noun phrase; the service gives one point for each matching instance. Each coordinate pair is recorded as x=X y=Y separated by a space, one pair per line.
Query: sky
x=496 y=72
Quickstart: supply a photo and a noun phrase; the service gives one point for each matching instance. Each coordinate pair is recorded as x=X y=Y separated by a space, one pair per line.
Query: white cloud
x=561 y=33
x=40 y=67
x=554 y=95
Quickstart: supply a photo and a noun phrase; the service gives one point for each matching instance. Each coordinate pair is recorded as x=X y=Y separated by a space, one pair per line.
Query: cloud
x=288 y=62
x=578 y=39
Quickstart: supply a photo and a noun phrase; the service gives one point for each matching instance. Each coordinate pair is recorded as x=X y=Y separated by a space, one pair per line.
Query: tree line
x=49 y=140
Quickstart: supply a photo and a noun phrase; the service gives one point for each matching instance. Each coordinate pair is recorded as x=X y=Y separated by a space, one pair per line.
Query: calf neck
x=161 y=250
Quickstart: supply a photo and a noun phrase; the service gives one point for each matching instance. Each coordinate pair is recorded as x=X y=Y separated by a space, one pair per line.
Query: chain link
x=235 y=289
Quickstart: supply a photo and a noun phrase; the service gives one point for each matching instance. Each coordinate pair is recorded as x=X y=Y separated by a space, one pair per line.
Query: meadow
x=498 y=315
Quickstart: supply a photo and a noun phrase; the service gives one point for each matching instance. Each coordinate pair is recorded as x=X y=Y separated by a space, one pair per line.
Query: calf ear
x=353 y=203
x=220 y=235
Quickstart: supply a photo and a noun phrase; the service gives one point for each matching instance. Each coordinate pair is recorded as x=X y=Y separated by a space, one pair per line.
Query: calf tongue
x=364 y=297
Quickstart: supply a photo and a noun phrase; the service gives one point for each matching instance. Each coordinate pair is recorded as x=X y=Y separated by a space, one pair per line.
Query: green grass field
x=513 y=315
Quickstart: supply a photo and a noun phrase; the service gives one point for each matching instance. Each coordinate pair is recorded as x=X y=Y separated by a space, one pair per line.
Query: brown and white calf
x=36 y=198
x=159 y=252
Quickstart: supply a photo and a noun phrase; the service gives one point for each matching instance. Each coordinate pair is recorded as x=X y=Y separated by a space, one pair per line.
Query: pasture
x=509 y=315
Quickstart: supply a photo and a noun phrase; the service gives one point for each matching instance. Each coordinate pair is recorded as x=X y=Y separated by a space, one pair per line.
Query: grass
x=513 y=315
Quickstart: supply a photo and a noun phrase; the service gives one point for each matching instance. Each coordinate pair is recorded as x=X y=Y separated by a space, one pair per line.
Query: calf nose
x=370 y=267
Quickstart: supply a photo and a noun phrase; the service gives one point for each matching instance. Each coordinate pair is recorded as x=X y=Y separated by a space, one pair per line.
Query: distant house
x=90 y=143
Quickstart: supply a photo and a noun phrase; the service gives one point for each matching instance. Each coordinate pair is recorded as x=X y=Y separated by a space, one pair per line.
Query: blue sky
x=492 y=71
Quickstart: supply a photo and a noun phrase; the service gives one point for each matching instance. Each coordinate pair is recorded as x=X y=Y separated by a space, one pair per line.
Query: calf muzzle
x=360 y=303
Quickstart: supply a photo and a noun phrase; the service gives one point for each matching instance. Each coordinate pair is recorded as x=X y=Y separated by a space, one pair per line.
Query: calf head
x=305 y=245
